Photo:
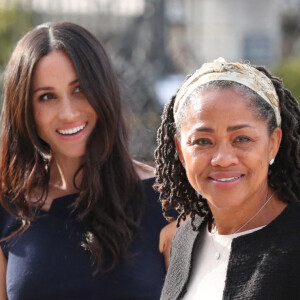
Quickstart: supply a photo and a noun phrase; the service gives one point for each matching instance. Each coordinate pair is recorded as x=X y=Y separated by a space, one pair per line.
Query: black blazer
x=263 y=265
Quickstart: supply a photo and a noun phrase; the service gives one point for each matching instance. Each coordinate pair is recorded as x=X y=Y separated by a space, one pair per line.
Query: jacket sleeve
x=180 y=262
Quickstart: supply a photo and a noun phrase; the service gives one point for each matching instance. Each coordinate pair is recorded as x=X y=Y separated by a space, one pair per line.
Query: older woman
x=229 y=156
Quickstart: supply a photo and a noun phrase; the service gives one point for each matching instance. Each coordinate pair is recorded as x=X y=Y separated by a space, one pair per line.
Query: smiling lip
x=72 y=131
x=226 y=178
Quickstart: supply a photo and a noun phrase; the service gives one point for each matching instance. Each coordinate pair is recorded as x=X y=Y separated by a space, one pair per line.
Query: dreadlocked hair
x=283 y=176
x=171 y=180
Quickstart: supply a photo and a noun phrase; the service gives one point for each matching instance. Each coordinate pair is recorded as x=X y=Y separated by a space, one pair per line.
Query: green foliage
x=289 y=72
x=14 y=22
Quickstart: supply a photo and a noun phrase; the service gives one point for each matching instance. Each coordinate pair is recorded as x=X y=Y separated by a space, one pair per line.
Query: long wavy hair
x=283 y=176
x=110 y=192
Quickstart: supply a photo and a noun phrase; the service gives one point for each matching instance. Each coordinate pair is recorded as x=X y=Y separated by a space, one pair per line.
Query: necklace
x=219 y=252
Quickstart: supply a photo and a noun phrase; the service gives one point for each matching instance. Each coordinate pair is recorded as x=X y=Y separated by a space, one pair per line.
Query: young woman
x=78 y=218
x=229 y=156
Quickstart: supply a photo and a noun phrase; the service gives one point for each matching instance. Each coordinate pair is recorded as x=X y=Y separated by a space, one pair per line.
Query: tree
x=14 y=22
x=289 y=72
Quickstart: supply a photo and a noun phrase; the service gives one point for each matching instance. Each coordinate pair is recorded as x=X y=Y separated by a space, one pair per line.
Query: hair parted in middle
x=284 y=175
x=110 y=191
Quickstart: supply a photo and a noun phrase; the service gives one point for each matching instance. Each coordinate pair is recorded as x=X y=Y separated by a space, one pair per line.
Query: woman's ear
x=178 y=148
x=275 y=141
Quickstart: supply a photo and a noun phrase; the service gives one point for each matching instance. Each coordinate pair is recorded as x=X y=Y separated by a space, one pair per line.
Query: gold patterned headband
x=221 y=70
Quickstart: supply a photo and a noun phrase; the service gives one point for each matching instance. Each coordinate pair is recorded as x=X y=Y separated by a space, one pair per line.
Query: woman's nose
x=68 y=110
x=224 y=156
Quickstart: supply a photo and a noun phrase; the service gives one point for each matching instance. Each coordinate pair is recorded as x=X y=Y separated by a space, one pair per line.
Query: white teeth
x=227 y=179
x=72 y=130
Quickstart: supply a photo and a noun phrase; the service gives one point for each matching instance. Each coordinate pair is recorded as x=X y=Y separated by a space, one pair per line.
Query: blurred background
x=153 y=44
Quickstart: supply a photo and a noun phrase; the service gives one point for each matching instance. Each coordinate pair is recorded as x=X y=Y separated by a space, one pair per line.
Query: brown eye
x=203 y=142
x=78 y=89
x=46 y=97
x=242 y=139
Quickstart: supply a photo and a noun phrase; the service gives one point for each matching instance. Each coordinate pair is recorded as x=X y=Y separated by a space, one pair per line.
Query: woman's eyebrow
x=51 y=88
x=237 y=127
x=43 y=88
x=230 y=128
x=73 y=81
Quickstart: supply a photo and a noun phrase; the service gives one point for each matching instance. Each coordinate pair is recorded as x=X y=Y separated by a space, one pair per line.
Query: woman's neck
x=62 y=175
x=250 y=216
x=61 y=181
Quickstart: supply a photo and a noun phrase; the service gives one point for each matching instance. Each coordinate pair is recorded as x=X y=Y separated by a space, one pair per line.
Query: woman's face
x=225 y=149
x=63 y=116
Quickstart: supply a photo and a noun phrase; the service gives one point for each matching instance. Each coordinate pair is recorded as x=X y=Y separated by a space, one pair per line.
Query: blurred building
x=189 y=32
x=235 y=29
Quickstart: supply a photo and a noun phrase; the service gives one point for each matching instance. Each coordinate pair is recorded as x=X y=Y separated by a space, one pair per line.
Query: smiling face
x=63 y=116
x=226 y=149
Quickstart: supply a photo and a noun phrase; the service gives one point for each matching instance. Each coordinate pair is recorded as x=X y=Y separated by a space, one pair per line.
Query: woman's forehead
x=208 y=98
x=218 y=106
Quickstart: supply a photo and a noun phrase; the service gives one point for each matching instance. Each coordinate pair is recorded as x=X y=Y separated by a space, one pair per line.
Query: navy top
x=47 y=261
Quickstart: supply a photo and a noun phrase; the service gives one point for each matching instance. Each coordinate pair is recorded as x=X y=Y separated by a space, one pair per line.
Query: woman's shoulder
x=8 y=224
x=146 y=175
x=185 y=235
x=6 y=219
x=180 y=260
x=165 y=240
x=144 y=170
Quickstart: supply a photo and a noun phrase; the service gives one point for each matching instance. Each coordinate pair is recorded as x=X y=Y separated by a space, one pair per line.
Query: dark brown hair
x=284 y=175
x=110 y=192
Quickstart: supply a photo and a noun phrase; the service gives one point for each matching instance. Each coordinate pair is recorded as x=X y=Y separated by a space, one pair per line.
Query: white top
x=207 y=280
